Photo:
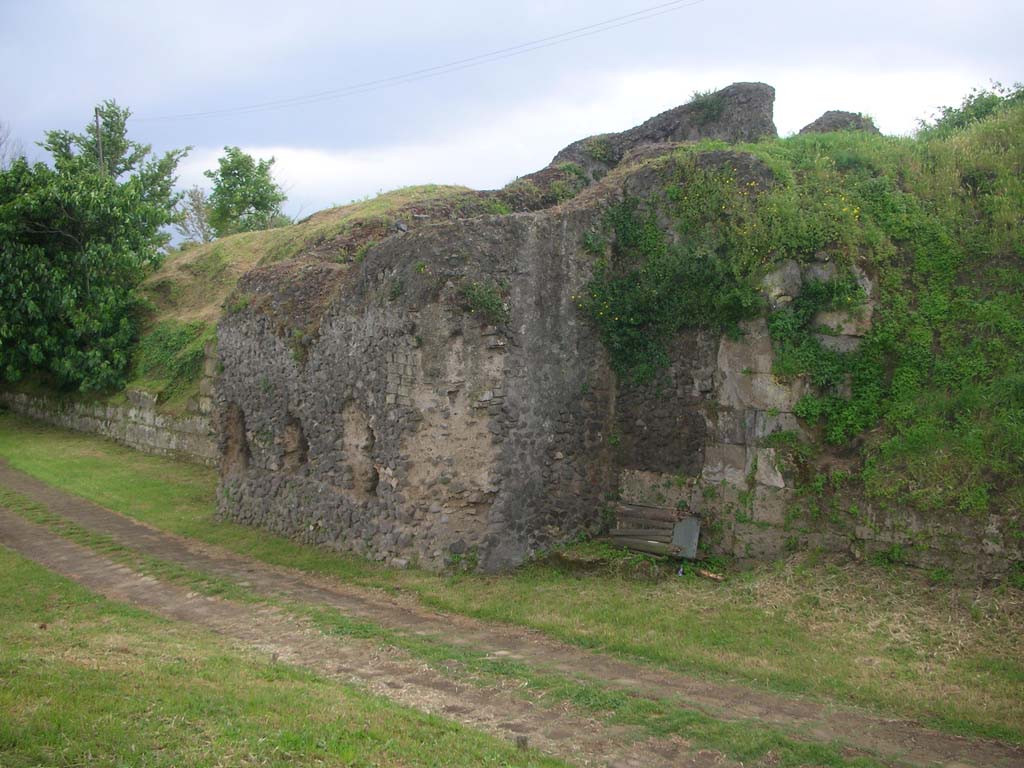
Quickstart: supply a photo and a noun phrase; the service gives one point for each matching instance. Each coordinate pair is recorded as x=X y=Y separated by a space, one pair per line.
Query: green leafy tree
x=75 y=241
x=194 y=216
x=245 y=196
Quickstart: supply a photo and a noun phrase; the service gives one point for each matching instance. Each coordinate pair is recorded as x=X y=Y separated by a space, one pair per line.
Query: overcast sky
x=482 y=125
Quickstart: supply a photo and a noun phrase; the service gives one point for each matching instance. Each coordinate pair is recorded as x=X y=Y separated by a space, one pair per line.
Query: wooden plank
x=651 y=547
x=649 y=513
x=639 y=522
x=651 y=534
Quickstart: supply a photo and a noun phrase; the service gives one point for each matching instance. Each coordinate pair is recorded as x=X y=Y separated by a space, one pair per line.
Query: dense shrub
x=75 y=241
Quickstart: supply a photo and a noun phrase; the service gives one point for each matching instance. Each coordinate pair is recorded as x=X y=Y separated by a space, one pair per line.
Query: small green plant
x=561 y=190
x=299 y=343
x=1015 y=578
x=894 y=555
x=524 y=194
x=362 y=250
x=465 y=562
x=484 y=299
x=594 y=242
x=599 y=148
x=495 y=206
x=396 y=289
x=238 y=302
x=575 y=170
x=706 y=106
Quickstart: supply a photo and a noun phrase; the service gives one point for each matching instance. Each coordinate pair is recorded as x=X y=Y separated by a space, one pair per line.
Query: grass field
x=84 y=681
x=883 y=638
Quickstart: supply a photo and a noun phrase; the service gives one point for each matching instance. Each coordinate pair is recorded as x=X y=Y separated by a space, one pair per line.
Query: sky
x=492 y=120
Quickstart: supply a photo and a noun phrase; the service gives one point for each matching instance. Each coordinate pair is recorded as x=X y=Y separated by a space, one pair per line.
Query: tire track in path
x=391 y=674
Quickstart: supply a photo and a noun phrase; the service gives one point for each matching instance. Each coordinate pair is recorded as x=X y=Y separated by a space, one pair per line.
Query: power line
x=443 y=69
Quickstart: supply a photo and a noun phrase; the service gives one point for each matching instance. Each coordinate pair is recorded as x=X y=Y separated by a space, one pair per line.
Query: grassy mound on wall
x=189 y=290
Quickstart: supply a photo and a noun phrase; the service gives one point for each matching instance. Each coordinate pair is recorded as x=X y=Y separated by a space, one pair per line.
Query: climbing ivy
x=934 y=392
x=651 y=290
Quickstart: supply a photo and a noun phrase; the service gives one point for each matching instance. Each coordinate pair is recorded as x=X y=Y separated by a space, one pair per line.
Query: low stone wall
x=136 y=424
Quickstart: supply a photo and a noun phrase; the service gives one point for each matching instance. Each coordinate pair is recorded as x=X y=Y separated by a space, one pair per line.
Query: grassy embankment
x=882 y=638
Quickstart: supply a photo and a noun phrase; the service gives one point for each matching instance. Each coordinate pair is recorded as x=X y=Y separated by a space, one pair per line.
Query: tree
x=245 y=196
x=75 y=241
x=120 y=155
x=194 y=216
x=10 y=149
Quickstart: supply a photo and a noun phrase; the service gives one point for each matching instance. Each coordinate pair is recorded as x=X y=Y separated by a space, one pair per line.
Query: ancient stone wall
x=137 y=423
x=443 y=400
x=700 y=439
x=414 y=427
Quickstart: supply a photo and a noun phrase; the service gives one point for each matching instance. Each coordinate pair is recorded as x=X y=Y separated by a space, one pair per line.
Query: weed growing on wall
x=170 y=357
x=484 y=300
x=599 y=148
x=707 y=106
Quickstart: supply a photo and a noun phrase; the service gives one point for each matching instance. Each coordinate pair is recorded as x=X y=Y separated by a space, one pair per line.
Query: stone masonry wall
x=443 y=400
x=411 y=429
x=139 y=423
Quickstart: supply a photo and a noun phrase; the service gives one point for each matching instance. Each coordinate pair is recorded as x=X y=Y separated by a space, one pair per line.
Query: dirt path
x=897 y=740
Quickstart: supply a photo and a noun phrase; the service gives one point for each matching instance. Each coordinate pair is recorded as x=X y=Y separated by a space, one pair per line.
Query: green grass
x=739 y=740
x=742 y=740
x=883 y=638
x=168 y=361
x=84 y=681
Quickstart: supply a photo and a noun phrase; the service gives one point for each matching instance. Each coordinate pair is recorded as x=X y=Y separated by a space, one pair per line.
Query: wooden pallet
x=656 y=531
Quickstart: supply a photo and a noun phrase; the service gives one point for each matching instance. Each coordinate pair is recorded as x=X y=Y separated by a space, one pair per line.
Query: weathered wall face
x=700 y=440
x=411 y=428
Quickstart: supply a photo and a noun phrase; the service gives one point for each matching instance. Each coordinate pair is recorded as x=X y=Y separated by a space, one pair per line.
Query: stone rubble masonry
x=412 y=430
x=427 y=435
x=137 y=424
